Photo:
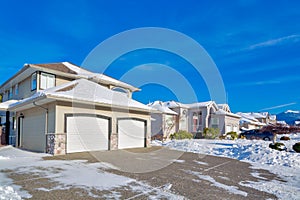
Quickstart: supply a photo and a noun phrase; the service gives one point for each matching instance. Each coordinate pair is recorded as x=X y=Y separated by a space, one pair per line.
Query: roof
x=5 y=105
x=200 y=104
x=223 y=112
x=174 y=104
x=72 y=71
x=89 y=92
x=57 y=67
x=160 y=106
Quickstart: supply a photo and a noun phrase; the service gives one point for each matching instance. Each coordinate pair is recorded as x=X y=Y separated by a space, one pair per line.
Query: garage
x=131 y=133
x=86 y=132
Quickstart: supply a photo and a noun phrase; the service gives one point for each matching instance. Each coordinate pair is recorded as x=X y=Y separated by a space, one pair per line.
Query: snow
x=5 y=105
x=85 y=90
x=292 y=111
x=230 y=189
x=160 y=106
x=66 y=174
x=285 y=164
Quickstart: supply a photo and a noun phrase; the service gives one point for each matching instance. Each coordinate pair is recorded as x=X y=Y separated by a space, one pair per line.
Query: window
x=17 y=89
x=33 y=81
x=10 y=93
x=122 y=90
x=1 y=97
x=215 y=122
x=47 y=81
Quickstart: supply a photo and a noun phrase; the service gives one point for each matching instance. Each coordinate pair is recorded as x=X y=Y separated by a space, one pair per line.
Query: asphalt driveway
x=193 y=176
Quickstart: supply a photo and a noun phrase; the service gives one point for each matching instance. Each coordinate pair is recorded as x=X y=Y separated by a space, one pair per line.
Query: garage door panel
x=131 y=133
x=87 y=133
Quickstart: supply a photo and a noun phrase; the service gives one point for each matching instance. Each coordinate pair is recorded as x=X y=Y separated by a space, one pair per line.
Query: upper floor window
x=10 y=93
x=47 y=81
x=17 y=89
x=33 y=82
x=1 y=97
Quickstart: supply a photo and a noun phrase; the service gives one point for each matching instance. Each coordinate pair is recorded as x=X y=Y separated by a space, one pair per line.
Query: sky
x=253 y=44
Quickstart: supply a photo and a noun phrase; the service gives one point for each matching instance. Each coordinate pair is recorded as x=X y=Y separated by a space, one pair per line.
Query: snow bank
x=286 y=164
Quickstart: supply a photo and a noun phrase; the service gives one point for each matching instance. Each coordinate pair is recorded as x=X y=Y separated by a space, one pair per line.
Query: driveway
x=188 y=175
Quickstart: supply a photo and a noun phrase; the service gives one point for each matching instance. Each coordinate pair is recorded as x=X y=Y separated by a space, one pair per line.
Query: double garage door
x=92 y=133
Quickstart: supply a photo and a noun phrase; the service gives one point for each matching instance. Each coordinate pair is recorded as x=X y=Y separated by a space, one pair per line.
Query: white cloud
x=279 y=106
x=274 y=42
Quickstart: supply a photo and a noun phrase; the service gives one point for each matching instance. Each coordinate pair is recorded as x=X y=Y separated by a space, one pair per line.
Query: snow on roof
x=247 y=116
x=257 y=115
x=297 y=122
x=158 y=105
x=77 y=69
x=174 y=104
x=199 y=104
x=87 y=91
x=223 y=112
x=281 y=122
x=272 y=117
x=5 y=105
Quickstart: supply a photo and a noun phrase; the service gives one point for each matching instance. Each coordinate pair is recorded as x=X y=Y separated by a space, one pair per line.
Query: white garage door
x=87 y=133
x=131 y=133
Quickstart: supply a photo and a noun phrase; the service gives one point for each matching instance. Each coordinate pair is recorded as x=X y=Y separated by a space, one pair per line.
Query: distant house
x=297 y=123
x=163 y=122
x=249 y=122
x=62 y=108
x=196 y=117
x=256 y=120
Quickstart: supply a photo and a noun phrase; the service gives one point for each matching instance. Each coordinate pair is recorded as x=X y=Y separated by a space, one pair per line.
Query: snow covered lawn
x=65 y=174
x=285 y=164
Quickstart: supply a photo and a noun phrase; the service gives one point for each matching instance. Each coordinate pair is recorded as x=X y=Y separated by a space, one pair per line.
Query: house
x=61 y=108
x=256 y=120
x=249 y=122
x=163 y=122
x=196 y=117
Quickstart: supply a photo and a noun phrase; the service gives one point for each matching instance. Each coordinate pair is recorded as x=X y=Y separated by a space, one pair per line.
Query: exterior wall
x=169 y=125
x=157 y=124
x=233 y=123
x=59 y=80
x=63 y=108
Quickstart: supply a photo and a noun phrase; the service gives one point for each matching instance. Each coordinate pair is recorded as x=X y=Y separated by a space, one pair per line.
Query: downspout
x=46 y=122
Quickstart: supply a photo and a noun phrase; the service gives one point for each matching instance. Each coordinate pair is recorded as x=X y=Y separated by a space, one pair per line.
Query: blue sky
x=255 y=44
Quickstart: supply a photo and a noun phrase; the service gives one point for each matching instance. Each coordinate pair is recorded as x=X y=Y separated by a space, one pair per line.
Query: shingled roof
x=58 y=67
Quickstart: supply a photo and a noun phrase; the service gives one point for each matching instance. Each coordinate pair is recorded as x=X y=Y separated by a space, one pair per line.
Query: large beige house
x=61 y=108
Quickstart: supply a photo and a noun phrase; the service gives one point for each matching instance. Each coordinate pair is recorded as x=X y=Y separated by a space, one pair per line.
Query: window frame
x=17 y=89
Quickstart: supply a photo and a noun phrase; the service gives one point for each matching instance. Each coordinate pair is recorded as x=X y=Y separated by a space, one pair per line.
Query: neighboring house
x=196 y=117
x=249 y=122
x=163 y=122
x=61 y=108
x=256 y=120
x=282 y=123
x=297 y=123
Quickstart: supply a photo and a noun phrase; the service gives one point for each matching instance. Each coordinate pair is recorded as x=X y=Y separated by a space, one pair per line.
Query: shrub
x=277 y=146
x=296 y=147
x=211 y=133
x=222 y=137
x=232 y=134
x=285 y=138
x=181 y=135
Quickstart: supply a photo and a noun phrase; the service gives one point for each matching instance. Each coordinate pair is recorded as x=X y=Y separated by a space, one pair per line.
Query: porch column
x=7 y=127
